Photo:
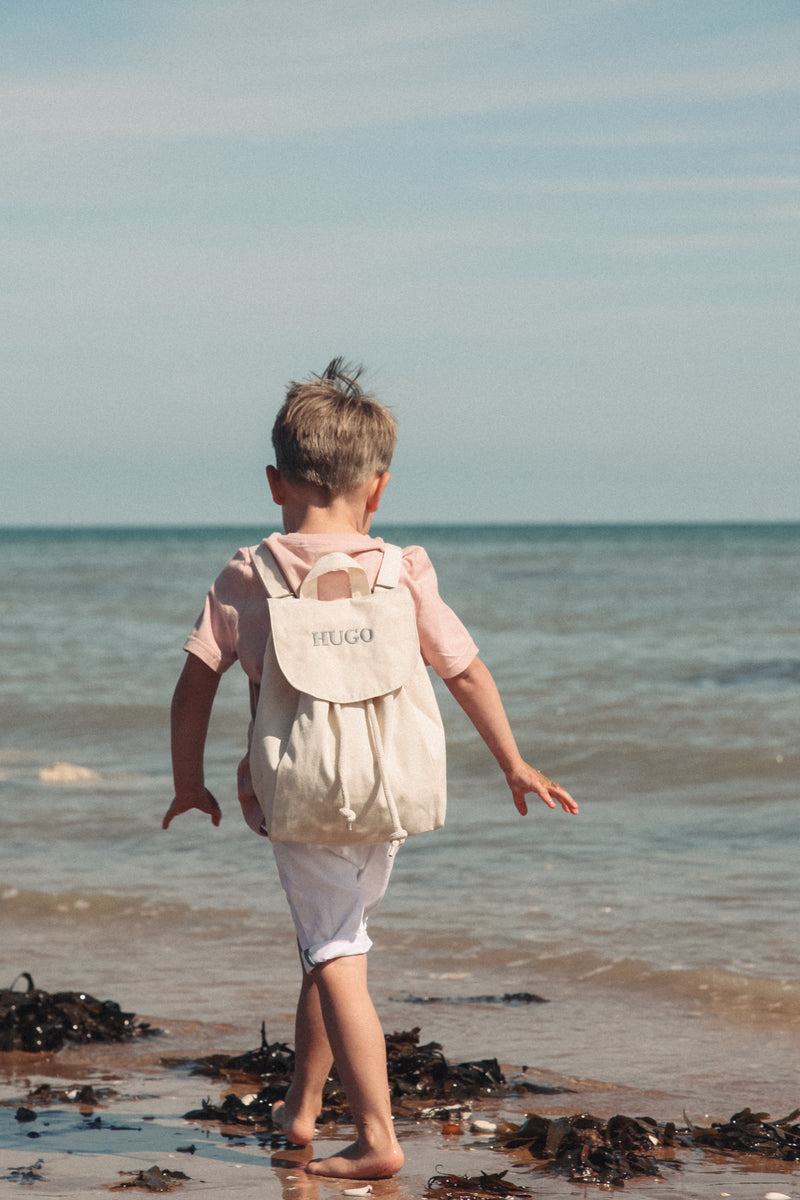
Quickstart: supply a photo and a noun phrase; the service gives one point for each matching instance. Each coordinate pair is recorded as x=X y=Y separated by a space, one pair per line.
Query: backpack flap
x=349 y=650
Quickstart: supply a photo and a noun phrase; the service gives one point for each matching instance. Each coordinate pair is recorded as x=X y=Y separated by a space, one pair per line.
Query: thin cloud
x=644 y=186
x=358 y=70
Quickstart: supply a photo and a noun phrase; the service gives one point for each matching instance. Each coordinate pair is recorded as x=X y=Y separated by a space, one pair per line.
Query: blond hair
x=330 y=433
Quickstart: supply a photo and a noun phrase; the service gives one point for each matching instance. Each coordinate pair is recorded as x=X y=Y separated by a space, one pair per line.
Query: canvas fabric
x=348 y=744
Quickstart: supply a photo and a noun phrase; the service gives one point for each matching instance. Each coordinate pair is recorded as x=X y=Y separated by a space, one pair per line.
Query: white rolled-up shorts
x=331 y=892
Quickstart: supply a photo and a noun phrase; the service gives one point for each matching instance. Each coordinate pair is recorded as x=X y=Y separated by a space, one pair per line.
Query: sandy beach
x=136 y=1122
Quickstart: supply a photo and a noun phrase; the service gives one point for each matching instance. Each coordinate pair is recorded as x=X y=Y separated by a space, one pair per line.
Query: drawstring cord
x=398 y=834
x=345 y=811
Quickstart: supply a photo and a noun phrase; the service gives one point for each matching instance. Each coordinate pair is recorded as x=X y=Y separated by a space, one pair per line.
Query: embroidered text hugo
x=335 y=637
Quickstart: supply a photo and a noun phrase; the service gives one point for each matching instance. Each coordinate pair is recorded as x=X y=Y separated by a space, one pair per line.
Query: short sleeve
x=445 y=642
x=233 y=617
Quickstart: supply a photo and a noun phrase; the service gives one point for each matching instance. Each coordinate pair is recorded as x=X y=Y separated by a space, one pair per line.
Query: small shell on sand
x=66 y=773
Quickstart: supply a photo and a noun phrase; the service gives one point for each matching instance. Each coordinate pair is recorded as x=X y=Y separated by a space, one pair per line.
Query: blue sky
x=561 y=234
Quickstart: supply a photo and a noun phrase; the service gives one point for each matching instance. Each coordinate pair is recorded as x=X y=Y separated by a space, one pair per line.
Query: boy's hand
x=205 y=802
x=477 y=693
x=524 y=779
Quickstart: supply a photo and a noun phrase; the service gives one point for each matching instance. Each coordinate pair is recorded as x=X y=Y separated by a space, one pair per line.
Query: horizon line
x=587 y=522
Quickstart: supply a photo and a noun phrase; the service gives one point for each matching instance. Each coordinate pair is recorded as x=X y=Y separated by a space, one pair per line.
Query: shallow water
x=655 y=671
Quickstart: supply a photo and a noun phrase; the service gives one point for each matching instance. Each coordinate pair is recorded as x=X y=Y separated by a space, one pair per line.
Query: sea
x=653 y=670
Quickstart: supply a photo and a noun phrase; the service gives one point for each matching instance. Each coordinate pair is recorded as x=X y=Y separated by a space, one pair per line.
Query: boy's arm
x=476 y=692
x=191 y=711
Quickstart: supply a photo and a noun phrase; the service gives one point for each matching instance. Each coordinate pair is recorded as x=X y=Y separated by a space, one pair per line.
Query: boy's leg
x=296 y=1116
x=359 y=1049
x=331 y=892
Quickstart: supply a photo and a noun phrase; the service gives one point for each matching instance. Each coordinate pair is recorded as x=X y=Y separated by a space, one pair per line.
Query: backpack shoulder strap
x=389 y=573
x=269 y=572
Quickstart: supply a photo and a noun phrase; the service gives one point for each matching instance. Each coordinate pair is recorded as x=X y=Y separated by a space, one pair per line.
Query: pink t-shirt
x=234 y=623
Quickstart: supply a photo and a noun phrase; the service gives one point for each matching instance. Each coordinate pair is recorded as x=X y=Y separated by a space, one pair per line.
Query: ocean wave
x=750 y=672
x=103 y=909
x=731 y=993
x=474 y=965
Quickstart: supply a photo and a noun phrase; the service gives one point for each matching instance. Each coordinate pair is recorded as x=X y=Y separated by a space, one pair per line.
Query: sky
x=561 y=235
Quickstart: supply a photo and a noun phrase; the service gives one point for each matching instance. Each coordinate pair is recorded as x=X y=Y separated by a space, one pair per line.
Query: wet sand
x=72 y=1149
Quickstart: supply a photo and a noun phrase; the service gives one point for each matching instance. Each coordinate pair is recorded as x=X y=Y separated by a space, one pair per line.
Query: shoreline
x=137 y=1122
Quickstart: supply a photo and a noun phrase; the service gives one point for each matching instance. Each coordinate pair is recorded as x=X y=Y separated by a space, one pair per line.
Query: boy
x=333 y=446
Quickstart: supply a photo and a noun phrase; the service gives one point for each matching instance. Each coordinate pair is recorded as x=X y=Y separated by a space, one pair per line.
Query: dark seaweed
x=440 y=1187
x=511 y=998
x=36 y=1020
x=754 y=1133
x=152 y=1180
x=417 y=1075
x=588 y=1150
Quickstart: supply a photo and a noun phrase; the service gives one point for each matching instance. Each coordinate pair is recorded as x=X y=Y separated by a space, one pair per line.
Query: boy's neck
x=329 y=519
x=312 y=510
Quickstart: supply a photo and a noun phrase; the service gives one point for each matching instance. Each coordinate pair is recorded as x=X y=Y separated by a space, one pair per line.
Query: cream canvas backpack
x=348 y=744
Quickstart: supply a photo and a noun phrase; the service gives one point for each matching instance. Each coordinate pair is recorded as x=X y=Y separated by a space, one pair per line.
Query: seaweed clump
x=418 y=1075
x=37 y=1021
x=153 y=1180
x=422 y=1073
x=587 y=1149
x=753 y=1133
x=442 y=1187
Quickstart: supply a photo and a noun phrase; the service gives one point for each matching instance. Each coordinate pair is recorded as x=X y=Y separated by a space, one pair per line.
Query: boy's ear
x=276 y=487
x=376 y=491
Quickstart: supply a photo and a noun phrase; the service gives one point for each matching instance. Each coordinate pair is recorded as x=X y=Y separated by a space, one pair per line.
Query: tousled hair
x=331 y=433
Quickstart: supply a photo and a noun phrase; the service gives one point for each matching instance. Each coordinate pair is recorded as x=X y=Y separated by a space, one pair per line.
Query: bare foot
x=357 y=1163
x=295 y=1127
